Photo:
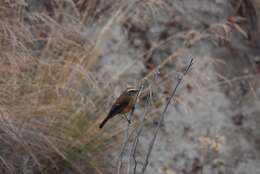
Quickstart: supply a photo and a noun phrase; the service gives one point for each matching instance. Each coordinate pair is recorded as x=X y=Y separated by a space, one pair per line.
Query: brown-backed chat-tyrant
x=123 y=104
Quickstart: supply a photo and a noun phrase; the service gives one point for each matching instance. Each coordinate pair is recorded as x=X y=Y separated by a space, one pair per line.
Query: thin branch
x=140 y=128
x=126 y=137
x=180 y=78
x=129 y=158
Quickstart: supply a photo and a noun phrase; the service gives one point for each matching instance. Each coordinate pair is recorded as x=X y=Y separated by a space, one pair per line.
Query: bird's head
x=133 y=91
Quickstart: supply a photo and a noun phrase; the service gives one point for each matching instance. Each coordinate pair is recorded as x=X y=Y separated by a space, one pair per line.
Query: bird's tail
x=104 y=122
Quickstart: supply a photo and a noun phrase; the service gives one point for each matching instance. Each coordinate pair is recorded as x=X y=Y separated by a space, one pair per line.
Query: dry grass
x=49 y=92
x=48 y=97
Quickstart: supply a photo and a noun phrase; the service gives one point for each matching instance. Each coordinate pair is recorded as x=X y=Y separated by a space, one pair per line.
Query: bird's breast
x=129 y=106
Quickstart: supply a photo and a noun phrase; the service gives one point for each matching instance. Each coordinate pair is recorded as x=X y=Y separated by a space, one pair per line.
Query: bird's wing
x=120 y=103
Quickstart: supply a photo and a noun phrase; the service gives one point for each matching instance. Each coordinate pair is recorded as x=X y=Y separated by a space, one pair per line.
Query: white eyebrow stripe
x=132 y=89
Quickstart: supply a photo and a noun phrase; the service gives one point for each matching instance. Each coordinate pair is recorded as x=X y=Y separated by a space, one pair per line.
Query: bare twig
x=140 y=128
x=133 y=149
x=180 y=78
x=126 y=137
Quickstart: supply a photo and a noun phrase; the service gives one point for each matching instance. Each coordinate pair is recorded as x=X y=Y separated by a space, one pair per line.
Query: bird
x=123 y=104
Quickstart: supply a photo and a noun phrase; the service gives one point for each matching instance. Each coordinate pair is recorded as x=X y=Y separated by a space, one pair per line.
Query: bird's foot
x=128 y=120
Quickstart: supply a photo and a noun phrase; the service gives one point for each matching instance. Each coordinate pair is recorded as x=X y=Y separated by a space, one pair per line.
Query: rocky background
x=63 y=60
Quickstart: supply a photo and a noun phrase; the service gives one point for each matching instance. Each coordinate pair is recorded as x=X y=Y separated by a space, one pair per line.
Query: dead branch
x=180 y=78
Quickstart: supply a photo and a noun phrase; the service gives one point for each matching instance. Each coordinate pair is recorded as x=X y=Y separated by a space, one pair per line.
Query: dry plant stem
x=140 y=129
x=126 y=137
x=238 y=5
x=119 y=14
x=120 y=160
x=180 y=78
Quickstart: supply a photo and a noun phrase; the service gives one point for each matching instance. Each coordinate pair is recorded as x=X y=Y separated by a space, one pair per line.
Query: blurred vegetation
x=48 y=98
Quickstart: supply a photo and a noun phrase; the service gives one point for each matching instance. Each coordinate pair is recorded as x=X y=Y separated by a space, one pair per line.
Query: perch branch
x=126 y=137
x=180 y=78
x=140 y=128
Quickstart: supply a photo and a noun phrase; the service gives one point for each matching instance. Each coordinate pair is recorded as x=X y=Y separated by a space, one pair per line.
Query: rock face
x=213 y=125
